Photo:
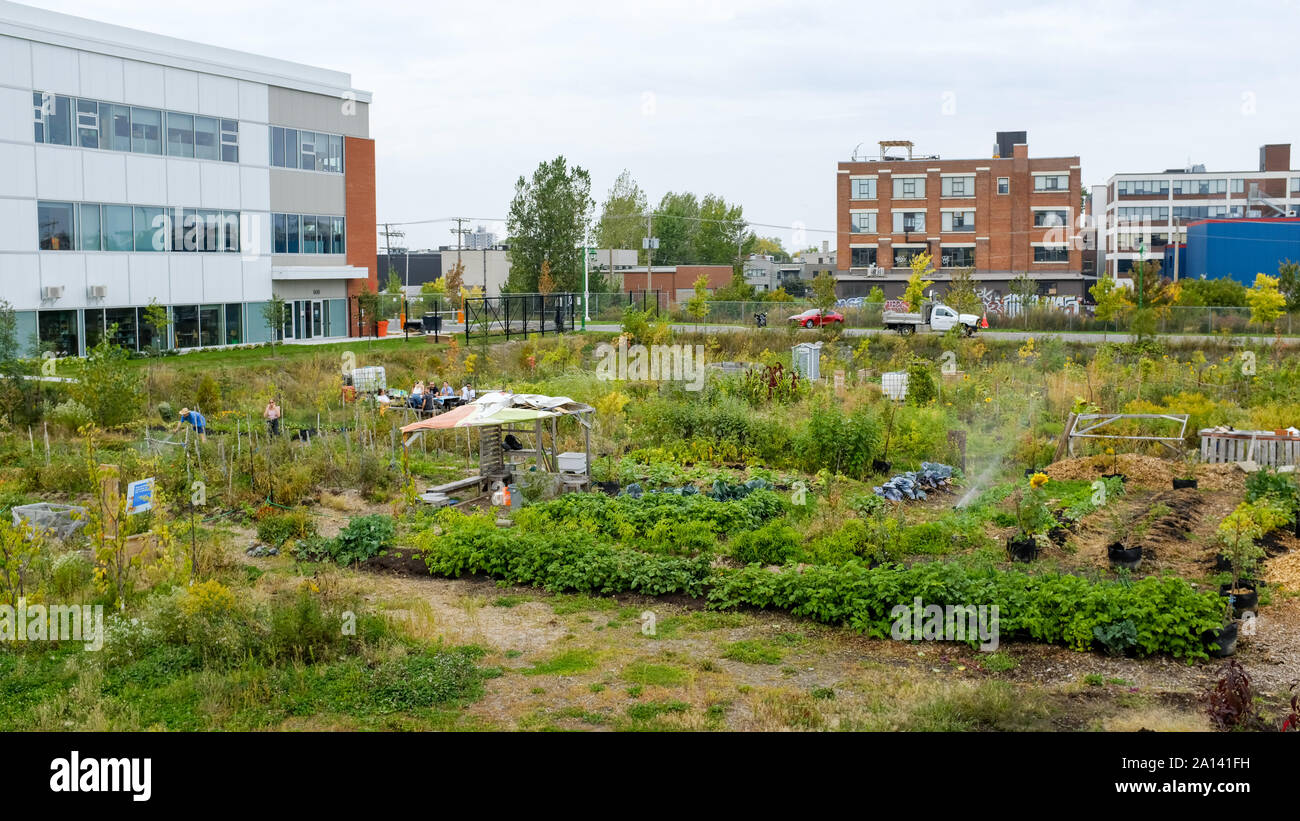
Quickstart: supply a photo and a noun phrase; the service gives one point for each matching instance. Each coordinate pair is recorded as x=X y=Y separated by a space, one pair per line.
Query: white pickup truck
x=933 y=316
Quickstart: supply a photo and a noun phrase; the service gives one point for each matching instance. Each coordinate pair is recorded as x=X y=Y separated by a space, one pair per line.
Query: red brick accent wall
x=359 y=200
x=719 y=276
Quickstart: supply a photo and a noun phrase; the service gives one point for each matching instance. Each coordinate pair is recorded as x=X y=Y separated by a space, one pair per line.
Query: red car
x=813 y=318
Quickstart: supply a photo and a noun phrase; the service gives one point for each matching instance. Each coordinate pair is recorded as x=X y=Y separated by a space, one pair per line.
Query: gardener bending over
x=195 y=419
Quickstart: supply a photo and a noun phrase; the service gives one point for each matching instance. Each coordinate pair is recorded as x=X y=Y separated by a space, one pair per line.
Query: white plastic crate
x=894 y=384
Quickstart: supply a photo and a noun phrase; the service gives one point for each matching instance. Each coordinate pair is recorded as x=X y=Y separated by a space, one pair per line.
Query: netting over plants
x=61 y=521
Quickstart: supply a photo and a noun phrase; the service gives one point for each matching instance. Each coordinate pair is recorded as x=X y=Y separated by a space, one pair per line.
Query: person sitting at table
x=466 y=394
x=382 y=398
x=446 y=390
x=417 y=395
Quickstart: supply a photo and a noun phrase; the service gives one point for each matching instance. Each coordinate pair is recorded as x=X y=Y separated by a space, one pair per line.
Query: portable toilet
x=807 y=359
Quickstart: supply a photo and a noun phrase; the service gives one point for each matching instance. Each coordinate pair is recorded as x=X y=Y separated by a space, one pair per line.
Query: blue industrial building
x=1237 y=248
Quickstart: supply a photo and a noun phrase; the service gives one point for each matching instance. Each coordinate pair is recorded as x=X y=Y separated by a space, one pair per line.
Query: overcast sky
x=758 y=100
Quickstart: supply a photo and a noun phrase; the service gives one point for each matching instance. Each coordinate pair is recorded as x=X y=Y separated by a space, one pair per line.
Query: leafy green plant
x=363 y=538
x=773 y=543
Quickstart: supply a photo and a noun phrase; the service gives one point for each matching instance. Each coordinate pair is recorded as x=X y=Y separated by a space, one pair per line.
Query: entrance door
x=317 y=318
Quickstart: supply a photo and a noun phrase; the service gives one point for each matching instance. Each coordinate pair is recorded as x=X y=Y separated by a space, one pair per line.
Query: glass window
x=339 y=234
x=185 y=325
x=87 y=123
x=234 y=326
x=114 y=127
x=118 y=234
x=862 y=189
x=1295 y=185
x=1238 y=185
x=292 y=220
x=909 y=188
x=959 y=186
x=1051 y=253
x=92 y=319
x=230 y=230
x=862 y=257
x=307 y=159
x=58 y=332
x=38 y=115
x=124 y=321
x=58 y=119
x=1004 y=185
x=207 y=231
x=863 y=223
x=279 y=234
x=180 y=135
x=290 y=148
x=903 y=256
x=207 y=138
x=1052 y=182
x=146 y=130
x=909 y=221
x=1142 y=187
x=336 y=154
x=211 y=327
x=152 y=227
x=150 y=337
x=309 y=245
x=230 y=141
x=277 y=146
x=1049 y=219
x=90 y=228
x=56 y=223
x=957 y=257
x=958 y=220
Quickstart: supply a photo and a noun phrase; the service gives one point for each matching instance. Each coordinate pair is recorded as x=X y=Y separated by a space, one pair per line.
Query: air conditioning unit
x=52 y=292
x=96 y=291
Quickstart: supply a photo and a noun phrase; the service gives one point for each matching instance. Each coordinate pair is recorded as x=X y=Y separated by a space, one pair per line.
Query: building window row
x=1149 y=213
x=1200 y=186
x=1051 y=253
x=306 y=150
x=1142 y=187
x=71 y=226
x=1052 y=182
x=83 y=123
x=1051 y=219
x=1200 y=212
x=958 y=186
x=307 y=234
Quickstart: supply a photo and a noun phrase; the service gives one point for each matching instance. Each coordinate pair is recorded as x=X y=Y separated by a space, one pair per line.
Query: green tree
x=770 y=246
x=676 y=222
x=17 y=403
x=1266 y=301
x=1112 y=299
x=1288 y=282
x=622 y=220
x=1221 y=292
x=698 y=305
x=548 y=221
x=276 y=313
x=823 y=287
x=110 y=387
x=723 y=235
x=876 y=294
x=1025 y=289
x=738 y=290
x=961 y=294
x=394 y=284
x=917 y=284
x=158 y=319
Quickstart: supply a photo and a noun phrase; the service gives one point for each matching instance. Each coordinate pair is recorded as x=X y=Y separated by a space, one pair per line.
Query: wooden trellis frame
x=1086 y=425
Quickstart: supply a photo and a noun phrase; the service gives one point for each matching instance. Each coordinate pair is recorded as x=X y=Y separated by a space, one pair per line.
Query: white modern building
x=137 y=169
x=1144 y=213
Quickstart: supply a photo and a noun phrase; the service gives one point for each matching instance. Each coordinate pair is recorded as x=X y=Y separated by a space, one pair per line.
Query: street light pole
x=586 y=284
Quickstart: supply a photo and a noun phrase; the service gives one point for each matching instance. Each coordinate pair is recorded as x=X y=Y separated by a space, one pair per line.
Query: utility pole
x=460 y=237
x=389 y=233
x=650 y=243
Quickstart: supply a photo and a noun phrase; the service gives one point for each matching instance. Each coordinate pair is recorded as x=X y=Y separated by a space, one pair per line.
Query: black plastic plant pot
x=881 y=466
x=1222 y=563
x=1121 y=556
x=1058 y=534
x=611 y=488
x=1022 y=550
x=1225 y=637
x=1179 y=484
x=1030 y=472
x=1297 y=527
x=1242 y=602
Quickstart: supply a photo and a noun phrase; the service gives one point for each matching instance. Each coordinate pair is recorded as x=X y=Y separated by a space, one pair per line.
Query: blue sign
x=139 y=496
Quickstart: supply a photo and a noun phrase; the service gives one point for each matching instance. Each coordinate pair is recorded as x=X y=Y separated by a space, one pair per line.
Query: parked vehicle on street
x=813 y=318
x=933 y=316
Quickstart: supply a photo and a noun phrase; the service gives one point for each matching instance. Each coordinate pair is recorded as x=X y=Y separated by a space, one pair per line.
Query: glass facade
x=306 y=150
x=86 y=123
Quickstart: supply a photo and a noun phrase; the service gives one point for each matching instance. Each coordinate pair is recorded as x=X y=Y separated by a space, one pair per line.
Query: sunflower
x=1038 y=480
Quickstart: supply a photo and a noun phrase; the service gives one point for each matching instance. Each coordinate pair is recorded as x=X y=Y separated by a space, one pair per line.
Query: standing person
x=272 y=417
x=197 y=420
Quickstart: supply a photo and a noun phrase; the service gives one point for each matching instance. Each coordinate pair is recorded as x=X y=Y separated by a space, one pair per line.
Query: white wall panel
x=68 y=270
x=55 y=69
x=105 y=176
x=16 y=115
x=58 y=173
x=254 y=102
x=149 y=278
x=255 y=189
x=17 y=170
x=146 y=180
x=145 y=84
x=257 y=279
x=20 y=284
x=222 y=278
x=219 y=97
x=254 y=143
x=15 y=62
x=255 y=233
x=183 y=187
x=186 y=278
x=112 y=271
x=17 y=227
x=220 y=185
x=101 y=77
x=182 y=88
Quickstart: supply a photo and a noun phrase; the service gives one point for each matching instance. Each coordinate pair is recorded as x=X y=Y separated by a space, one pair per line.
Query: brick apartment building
x=1005 y=215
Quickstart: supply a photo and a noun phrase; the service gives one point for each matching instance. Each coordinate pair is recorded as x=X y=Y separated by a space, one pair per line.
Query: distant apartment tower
x=1003 y=216
x=138 y=168
x=1145 y=213
x=480 y=238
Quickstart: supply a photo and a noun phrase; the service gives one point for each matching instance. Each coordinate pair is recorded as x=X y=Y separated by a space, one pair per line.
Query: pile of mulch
x=1284 y=571
x=1151 y=471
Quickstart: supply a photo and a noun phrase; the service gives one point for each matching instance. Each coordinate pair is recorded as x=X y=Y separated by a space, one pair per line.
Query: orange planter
x=382 y=326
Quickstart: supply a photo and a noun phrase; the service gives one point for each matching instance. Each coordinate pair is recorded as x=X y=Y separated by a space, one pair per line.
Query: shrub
x=278 y=528
x=71 y=415
x=773 y=543
x=842 y=443
x=69 y=573
x=683 y=538
x=363 y=538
